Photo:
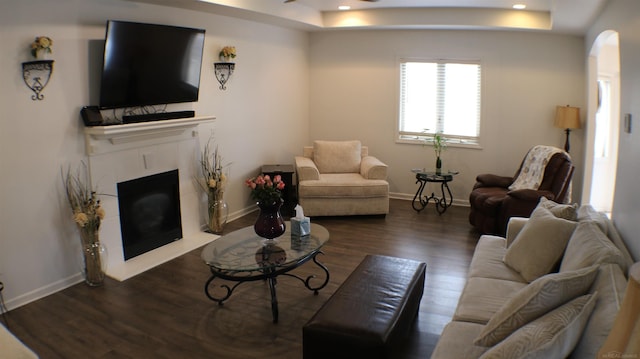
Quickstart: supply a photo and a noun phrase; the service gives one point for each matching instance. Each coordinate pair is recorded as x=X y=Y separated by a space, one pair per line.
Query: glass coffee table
x=242 y=256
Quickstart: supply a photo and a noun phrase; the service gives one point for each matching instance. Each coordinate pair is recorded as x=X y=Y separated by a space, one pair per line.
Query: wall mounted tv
x=148 y=64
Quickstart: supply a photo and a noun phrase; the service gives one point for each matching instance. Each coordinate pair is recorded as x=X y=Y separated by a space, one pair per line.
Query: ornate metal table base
x=420 y=201
x=269 y=274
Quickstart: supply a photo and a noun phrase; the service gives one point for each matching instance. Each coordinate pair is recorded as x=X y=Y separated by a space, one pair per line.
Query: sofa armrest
x=373 y=168
x=306 y=170
x=491 y=180
x=514 y=227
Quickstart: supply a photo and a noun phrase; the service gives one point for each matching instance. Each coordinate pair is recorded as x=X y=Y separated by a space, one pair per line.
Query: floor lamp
x=567 y=117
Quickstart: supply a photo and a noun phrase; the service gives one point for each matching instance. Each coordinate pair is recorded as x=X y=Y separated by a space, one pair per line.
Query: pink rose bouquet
x=264 y=189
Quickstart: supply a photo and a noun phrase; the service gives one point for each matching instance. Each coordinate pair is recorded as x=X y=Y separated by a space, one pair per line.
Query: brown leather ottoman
x=370 y=313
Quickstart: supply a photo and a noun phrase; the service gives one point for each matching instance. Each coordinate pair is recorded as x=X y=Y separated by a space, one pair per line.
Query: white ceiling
x=330 y=5
x=562 y=16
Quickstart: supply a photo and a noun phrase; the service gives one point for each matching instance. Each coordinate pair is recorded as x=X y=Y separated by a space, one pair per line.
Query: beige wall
x=354 y=91
x=261 y=118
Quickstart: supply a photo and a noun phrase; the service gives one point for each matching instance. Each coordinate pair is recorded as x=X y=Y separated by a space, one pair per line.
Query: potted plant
x=439 y=143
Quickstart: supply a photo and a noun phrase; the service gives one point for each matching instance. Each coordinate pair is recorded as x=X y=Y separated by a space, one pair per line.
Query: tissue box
x=300 y=226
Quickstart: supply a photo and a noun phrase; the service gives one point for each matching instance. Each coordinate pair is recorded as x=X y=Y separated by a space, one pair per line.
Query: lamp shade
x=567 y=117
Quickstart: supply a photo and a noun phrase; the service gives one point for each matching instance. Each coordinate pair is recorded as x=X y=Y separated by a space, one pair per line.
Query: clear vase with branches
x=214 y=182
x=87 y=214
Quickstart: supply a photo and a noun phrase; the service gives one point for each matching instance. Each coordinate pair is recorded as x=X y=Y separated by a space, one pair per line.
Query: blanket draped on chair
x=533 y=167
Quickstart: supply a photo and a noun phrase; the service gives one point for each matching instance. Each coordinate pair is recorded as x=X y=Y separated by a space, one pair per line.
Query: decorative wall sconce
x=223 y=71
x=36 y=75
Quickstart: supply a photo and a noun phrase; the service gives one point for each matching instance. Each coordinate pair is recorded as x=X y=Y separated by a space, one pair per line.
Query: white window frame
x=427 y=136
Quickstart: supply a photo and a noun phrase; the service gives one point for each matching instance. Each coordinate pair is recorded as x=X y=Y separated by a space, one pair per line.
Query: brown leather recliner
x=492 y=203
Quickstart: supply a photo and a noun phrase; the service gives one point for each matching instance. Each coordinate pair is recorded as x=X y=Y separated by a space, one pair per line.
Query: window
x=439 y=97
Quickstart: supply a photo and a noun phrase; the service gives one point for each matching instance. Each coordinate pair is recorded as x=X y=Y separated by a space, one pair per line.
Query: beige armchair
x=339 y=178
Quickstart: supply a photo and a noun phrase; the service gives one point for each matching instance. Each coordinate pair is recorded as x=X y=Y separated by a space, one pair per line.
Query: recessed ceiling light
x=344 y=7
x=519 y=6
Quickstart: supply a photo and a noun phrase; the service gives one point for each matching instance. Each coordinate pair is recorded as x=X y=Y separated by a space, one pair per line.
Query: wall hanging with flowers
x=36 y=74
x=223 y=70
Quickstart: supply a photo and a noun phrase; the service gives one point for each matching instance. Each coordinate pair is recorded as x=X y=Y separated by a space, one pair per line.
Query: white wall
x=354 y=91
x=623 y=16
x=261 y=118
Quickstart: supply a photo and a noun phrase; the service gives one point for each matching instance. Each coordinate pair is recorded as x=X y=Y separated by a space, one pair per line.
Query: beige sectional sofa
x=12 y=347
x=550 y=289
x=340 y=178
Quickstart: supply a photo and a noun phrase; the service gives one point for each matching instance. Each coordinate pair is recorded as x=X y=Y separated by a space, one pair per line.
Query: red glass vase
x=270 y=223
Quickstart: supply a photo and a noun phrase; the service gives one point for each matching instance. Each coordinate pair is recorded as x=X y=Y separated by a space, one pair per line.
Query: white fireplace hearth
x=120 y=153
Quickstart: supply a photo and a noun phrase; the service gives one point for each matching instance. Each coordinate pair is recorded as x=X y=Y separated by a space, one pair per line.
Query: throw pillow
x=566 y=211
x=586 y=212
x=540 y=244
x=337 y=156
x=611 y=284
x=553 y=335
x=589 y=246
x=542 y=295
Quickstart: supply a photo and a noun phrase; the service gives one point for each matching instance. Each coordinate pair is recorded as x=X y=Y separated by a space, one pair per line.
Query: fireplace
x=120 y=154
x=149 y=212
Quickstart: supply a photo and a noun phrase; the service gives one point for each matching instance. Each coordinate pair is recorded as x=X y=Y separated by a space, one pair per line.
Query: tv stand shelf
x=103 y=139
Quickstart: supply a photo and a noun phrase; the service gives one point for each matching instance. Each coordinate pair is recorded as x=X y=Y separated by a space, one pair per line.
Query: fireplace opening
x=149 y=212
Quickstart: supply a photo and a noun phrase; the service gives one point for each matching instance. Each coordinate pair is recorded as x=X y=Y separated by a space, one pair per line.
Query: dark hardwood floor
x=164 y=313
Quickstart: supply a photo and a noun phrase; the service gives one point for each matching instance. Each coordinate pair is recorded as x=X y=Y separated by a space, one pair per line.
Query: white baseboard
x=42 y=292
x=409 y=197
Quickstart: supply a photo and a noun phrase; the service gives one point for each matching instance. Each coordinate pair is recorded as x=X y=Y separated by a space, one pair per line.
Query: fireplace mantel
x=103 y=139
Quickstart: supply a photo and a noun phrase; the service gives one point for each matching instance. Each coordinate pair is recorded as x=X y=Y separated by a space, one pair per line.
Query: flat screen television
x=149 y=64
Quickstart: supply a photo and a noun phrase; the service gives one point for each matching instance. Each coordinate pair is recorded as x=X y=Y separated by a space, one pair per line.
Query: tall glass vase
x=94 y=255
x=270 y=223
x=438 y=165
x=218 y=212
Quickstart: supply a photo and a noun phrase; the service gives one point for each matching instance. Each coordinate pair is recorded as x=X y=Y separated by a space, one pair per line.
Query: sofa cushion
x=566 y=211
x=554 y=335
x=541 y=296
x=540 y=244
x=589 y=246
x=610 y=283
x=456 y=341
x=12 y=347
x=343 y=185
x=337 y=156
x=481 y=298
x=586 y=213
x=487 y=260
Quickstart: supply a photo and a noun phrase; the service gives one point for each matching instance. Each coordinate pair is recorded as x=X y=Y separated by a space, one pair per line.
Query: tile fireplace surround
x=124 y=152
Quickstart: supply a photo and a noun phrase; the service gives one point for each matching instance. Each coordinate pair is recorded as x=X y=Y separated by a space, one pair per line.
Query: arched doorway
x=603 y=123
